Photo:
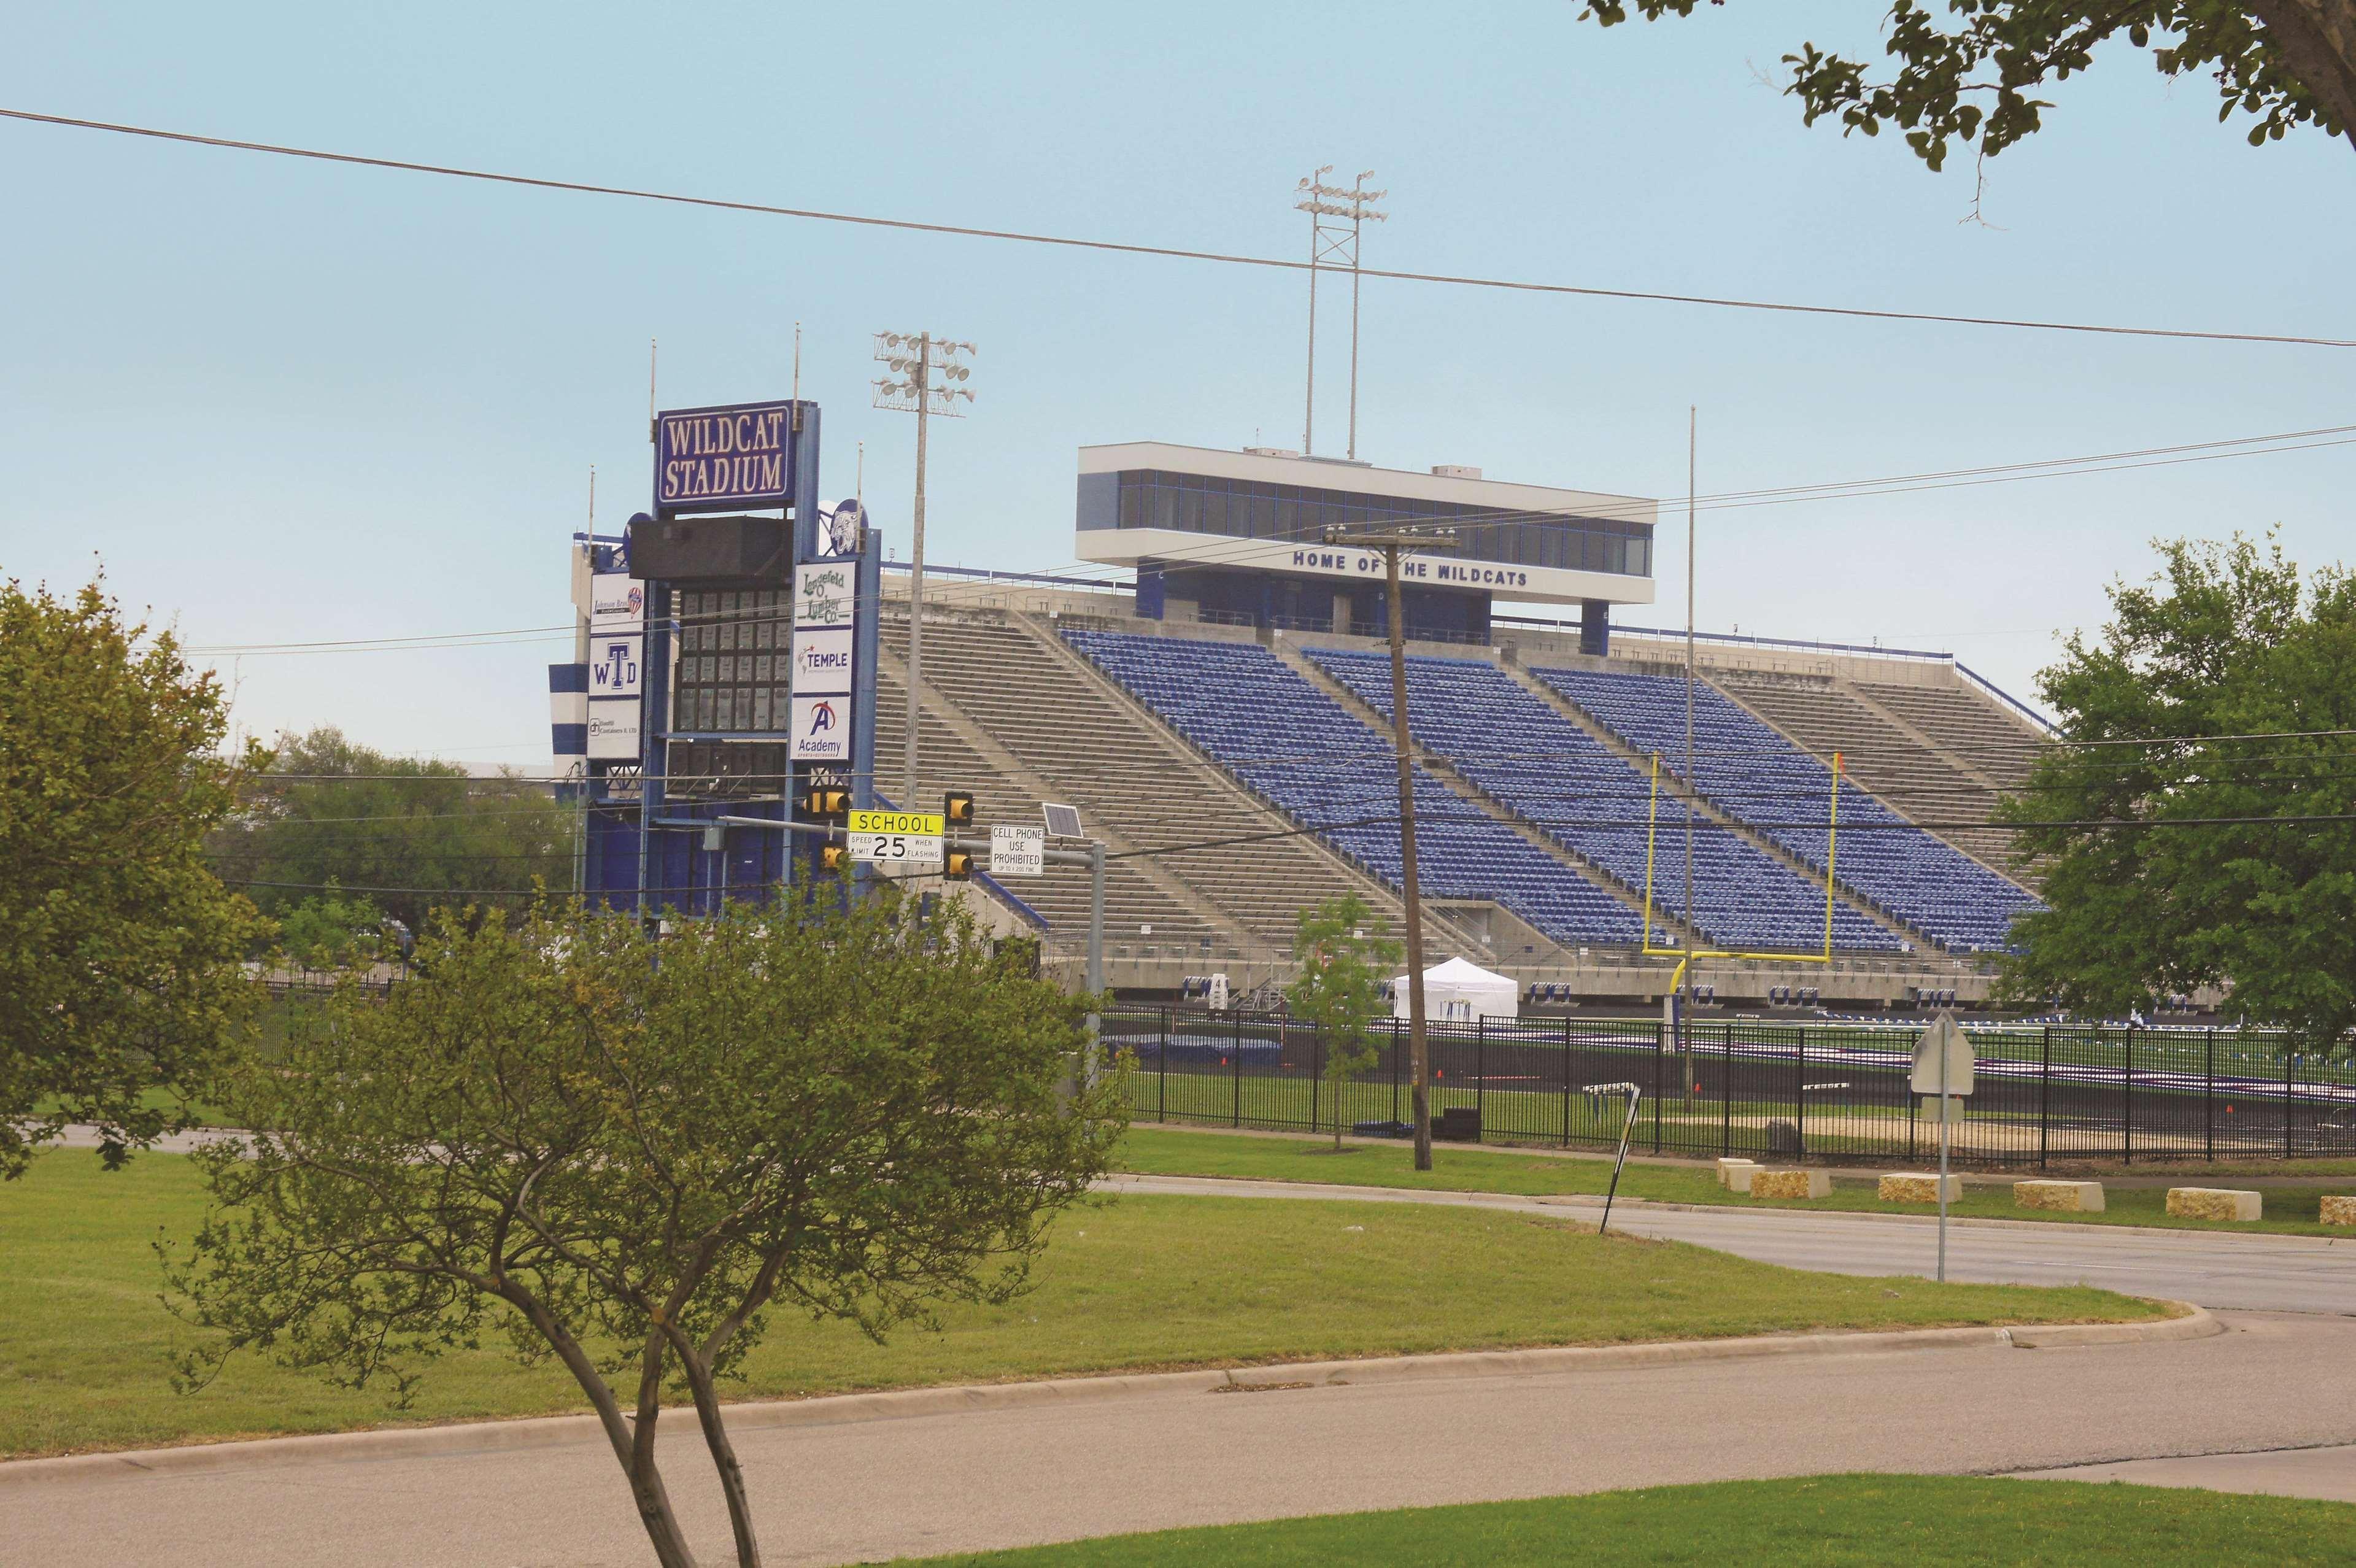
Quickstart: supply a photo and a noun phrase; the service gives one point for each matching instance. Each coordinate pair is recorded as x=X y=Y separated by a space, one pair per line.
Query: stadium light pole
x=1330 y=240
x=913 y=359
x=1390 y=540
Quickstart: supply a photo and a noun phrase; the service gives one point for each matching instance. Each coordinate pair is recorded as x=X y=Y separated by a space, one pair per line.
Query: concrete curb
x=562 y=1431
x=1462 y=1198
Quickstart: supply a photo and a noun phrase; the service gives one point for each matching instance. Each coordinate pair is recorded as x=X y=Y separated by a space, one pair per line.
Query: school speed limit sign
x=896 y=838
x=896 y=848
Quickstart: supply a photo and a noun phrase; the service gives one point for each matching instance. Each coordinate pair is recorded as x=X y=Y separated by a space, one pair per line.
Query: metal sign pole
x=1945 y=1104
x=1634 y=1095
x=1096 y=952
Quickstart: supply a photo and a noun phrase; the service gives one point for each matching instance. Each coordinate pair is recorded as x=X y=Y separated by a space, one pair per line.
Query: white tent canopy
x=1461 y=991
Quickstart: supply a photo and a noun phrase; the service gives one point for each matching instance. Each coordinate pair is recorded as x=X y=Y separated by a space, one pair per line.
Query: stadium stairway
x=957 y=755
x=1065 y=733
x=1444 y=768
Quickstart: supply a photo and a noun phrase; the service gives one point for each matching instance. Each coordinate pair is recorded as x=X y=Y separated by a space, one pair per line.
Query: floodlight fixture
x=922 y=390
x=1337 y=220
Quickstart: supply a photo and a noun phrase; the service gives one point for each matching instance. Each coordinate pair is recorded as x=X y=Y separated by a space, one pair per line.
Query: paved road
x=2264 y=1274
x=2327 y=1473
x=864 y=1490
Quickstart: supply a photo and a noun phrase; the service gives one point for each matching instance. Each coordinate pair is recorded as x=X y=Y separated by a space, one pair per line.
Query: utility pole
x=1693 y=786
x=913 y=358
x=1390 y=541
x=1329 y=241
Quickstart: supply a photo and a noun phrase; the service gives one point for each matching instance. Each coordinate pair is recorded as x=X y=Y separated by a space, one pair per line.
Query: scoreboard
x=736 y=661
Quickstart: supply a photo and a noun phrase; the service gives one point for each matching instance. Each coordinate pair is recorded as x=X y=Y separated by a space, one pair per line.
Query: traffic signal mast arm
x=835 y=832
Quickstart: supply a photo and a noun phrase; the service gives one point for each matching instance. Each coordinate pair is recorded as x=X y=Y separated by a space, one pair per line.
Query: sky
x=282 y=401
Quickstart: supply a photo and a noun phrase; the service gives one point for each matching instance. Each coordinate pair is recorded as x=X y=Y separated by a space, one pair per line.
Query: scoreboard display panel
x=736 y=661
x=727 y=771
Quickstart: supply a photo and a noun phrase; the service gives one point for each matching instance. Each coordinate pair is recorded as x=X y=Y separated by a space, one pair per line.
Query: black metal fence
x=1825 y=1091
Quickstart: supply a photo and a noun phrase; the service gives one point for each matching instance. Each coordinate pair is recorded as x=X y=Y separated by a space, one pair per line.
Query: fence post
x=1566 y=1082
x=2209 y=1097
x=1236 y=1064
x=2126 y=1103
x=2044 y=1097
x=1161 y=1074
x=2290 y=1065
x=1317 y=1076
x=1480 y=1072
x=1799 y=1094
x=1395 y=1070
x=1725 y=1093
x=1660 y=1060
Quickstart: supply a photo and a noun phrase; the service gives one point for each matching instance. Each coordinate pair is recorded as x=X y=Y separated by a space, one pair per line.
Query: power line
x=1829 y=489
x=1168 y=251
x=1379 y=819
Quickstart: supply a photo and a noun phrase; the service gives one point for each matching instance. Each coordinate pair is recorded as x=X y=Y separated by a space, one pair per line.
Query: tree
x=119 y=949
x=1344 y=956
x=2286 y=62
x=330 y=810
x=2187 y=820
x=624 y=1150
x=331 y=930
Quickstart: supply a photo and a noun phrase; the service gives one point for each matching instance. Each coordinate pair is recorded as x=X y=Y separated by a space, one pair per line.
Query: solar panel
x=1063 y=821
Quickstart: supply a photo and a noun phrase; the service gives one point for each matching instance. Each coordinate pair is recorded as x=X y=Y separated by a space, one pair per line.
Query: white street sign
x=1944 y=1037
x=896 y=849
x=1018 y=852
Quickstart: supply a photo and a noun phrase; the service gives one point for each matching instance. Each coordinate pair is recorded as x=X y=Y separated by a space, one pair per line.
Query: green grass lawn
x=1158 y=1151
x=1818 y=1521
x=152 y=1100
x=85 y=1348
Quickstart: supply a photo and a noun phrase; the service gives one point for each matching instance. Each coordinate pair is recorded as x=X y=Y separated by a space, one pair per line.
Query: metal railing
x=1833 y=1093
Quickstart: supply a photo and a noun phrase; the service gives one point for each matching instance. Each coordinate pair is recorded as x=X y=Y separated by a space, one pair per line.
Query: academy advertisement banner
x=821 y=728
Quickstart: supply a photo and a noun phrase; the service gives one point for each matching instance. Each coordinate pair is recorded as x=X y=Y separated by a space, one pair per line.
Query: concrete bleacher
x=1133 y=903
x=1760 y=777
x=1546 y=769
x=1982 y=735
x=1301 y=750
x=1128 y=776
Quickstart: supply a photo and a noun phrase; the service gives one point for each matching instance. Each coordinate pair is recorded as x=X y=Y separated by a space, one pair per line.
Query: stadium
x=1212 y=695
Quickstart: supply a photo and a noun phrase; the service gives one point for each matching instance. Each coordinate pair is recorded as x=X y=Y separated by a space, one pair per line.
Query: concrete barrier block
x=1735 y=1174
x=1908 y=1187
x=2060 y=1196
x=1791 y=1183
x=2213 y=1203
x=2339 y=1211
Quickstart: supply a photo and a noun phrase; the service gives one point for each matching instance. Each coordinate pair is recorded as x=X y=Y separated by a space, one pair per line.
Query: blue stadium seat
x=1304 y=752
x=1546 y=769
x=1750 y=772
